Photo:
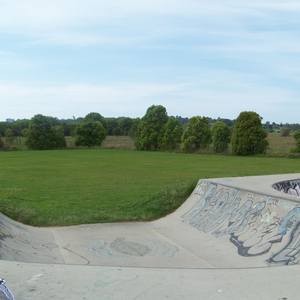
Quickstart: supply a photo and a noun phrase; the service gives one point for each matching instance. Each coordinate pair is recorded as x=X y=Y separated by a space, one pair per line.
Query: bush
x=196 y=135
x=151 y=128
x=248 y=135
x=90 y=133
x=220 y=137
x=285 y=132
x=297 y=138
x=42 y=134
x=172 y=134
x=95 y=117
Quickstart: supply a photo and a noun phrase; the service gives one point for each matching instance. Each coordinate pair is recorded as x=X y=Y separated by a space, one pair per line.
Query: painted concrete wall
x=225 y=223
x=254 y=223
x=291 y=187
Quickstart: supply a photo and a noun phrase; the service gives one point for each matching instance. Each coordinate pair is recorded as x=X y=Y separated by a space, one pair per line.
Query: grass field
x=87 y=186
x=280 y=144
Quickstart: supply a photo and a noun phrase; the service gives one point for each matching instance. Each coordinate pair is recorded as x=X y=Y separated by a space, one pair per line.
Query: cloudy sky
x=197 y=57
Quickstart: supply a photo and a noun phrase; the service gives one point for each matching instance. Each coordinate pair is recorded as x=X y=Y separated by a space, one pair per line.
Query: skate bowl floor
x=229 y=231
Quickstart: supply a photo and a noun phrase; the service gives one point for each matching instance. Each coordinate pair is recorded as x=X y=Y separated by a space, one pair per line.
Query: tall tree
x=172 y=134
x=248 y=135
x=151 y=128
x=197 y=134
x=220 y=136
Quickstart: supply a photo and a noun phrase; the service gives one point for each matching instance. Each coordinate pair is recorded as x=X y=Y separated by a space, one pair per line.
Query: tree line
x=156 y=130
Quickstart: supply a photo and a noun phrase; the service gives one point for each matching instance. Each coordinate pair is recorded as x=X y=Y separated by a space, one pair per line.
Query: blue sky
x=214 y=58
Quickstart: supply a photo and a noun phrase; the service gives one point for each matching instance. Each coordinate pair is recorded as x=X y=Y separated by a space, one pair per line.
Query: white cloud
x=42 y=15
x=219 y=94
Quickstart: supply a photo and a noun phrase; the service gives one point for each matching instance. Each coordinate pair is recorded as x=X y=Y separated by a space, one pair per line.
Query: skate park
x=229 y=235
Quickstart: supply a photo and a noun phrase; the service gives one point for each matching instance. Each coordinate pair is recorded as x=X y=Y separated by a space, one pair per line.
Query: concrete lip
x=227 y=227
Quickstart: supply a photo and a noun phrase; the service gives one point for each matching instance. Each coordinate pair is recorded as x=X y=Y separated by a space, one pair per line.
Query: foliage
x=151 y=128
x=197 y=135
x=120 y=126
x=95 y=117
x=44 y=134
x=172 y=134
x=297 y=138
x=248 y=135
x=90 y=133
x=285 y=132
x=220 y=137
x=9 y=133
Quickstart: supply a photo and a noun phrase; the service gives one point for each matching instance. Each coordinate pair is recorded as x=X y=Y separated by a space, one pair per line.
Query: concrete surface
x=218 y=245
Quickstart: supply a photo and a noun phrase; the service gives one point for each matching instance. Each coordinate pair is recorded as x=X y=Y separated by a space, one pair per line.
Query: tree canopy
x=151 y=128
x=90 y=133
x=197 y=134
x=44 y=134
x=172 y=134
x=248 y=135
x=220 y=136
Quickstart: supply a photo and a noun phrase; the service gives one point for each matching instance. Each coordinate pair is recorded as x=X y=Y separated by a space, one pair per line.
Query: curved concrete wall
x=225 y=223
x=256 y=224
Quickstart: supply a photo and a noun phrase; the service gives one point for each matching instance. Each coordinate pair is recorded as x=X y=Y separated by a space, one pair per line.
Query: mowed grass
x=86 y=186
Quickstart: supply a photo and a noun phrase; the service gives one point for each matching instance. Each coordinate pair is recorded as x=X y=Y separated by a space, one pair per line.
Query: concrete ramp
x=226 y=223
x=217 y=245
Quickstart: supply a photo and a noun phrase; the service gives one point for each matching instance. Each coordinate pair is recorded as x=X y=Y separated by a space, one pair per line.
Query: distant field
x=279 y=144
x=110 y=142
x=87 y=186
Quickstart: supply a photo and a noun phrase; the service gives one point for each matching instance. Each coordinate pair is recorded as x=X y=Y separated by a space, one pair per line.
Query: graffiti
x=121 y=247
x=253 y=223
x=291 y=187
x=291 y=252
x=5 y=292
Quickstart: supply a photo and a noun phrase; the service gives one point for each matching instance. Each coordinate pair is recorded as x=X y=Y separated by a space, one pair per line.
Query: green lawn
x=87 y=186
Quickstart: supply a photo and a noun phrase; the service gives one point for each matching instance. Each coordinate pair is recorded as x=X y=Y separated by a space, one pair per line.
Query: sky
x=66 y=58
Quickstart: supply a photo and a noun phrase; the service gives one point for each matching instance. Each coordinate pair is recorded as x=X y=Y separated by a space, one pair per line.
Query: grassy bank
x=85 y=186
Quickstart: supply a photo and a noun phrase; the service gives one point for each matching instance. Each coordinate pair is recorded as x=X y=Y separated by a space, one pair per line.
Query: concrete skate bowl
x=291 y=187
x=225 y=223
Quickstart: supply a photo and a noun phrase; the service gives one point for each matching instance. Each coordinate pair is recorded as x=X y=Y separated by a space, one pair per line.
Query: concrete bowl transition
x=291 y=187
x=230 y=232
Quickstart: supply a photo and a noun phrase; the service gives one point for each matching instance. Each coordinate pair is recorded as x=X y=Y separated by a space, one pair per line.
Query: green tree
x=90 y=133
x=95 y=117
x=197 y=134
x=172 y=134
x=220 y=136
x=248 y=135
x=297 y=138
x=125 y=125
x=9 y=136
x=43 y=134
x=151 y=128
